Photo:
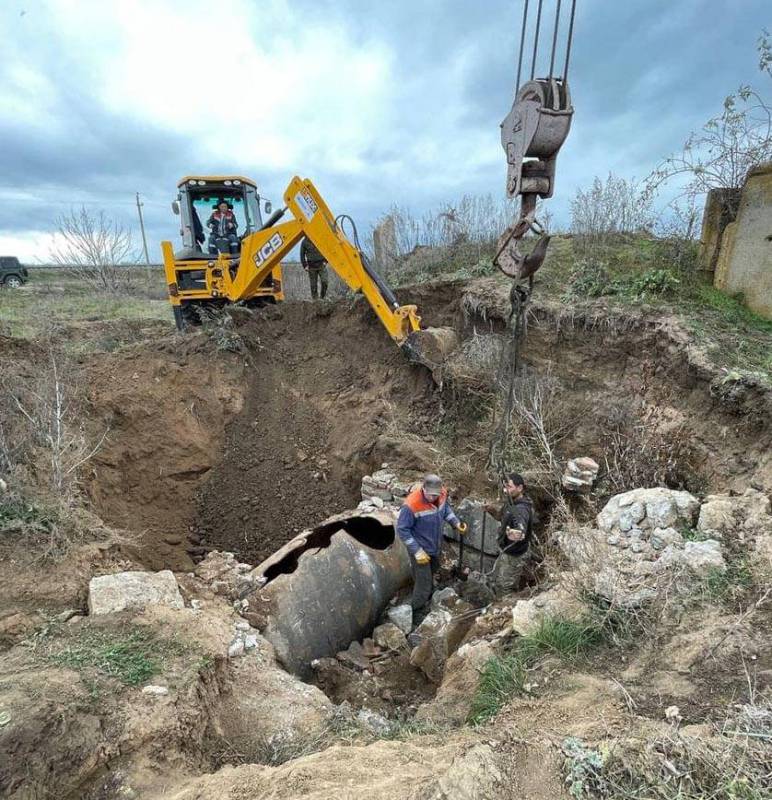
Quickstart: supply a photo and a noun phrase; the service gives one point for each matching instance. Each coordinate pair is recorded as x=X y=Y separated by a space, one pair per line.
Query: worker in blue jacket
x=419 y=525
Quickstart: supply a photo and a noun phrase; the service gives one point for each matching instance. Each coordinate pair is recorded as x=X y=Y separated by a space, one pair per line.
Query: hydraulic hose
x=383 y=287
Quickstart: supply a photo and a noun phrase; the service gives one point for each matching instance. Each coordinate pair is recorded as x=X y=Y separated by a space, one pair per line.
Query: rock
x=355 y=656
x=377 y=502
x=267 y=710
x=453 y=700
x=390 y=637
x=225 y=575
x=438 y=636
x=527 y=615
x=122 y=591
x=662 y=537
x=378 y=485
x=630 y=566
x=444 y=598
x=580 y=474
x=156 y=691
x=236 y=648
x=401 y=616
x=373 y=722
x=743 y=516
x=704 y=557
x=475 y=590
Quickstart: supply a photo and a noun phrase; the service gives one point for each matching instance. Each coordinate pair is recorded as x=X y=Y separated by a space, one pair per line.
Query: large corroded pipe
x=328 y=587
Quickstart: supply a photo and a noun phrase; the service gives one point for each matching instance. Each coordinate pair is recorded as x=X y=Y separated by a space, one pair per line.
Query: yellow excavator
x=229 y=265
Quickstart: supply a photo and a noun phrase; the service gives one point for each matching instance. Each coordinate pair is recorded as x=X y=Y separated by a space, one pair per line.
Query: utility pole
x=142 y=228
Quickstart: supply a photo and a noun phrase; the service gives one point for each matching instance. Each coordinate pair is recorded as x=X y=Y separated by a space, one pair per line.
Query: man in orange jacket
x=419 y=525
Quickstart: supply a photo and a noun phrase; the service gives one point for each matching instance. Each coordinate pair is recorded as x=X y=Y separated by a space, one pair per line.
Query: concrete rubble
x=268 y=708
x=559 y=601
x=390 y=637
x=135 y=591
x=453 y=700
x=745 y=518
x=580 y=475
x=225 y=575
x=480 y=537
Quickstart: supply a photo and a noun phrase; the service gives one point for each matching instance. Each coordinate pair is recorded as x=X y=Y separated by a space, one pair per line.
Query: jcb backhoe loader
x=224 y=268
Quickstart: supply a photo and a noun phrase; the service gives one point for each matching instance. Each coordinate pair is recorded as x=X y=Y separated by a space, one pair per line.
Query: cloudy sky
x=377 y=102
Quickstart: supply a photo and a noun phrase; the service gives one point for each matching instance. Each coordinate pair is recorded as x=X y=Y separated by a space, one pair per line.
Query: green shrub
x=655 y=281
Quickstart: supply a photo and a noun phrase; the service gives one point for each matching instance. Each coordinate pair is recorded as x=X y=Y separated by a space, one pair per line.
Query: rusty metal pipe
x=328 y=587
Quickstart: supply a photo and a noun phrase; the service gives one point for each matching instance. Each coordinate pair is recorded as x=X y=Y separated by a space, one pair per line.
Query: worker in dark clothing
x=223 y=226
x=515 y=534
x=419 y=525
x=315 y=265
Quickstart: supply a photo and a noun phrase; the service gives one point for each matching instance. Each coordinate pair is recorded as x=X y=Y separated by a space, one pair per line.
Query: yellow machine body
x=255 y=272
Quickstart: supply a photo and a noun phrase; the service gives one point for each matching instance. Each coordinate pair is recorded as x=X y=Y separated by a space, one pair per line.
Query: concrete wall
x=720 y=209
x=745 y=261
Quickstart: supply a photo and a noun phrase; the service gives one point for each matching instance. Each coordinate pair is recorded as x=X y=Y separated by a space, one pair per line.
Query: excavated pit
x=207 y=449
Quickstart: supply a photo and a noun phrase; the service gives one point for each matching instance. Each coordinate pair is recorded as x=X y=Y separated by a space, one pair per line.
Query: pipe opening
x=368 y=531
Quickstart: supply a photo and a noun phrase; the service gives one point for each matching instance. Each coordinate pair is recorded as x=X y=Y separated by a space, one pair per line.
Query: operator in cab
x=223 y=224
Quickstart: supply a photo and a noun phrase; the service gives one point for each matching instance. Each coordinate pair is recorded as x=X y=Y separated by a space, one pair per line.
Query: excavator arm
x=312 y=218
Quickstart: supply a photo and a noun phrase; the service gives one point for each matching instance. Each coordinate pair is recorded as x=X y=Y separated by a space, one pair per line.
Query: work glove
x=462 y=528
x=422 y=557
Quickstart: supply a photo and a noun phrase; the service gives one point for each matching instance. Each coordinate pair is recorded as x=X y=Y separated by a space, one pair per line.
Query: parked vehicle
x=12 y=273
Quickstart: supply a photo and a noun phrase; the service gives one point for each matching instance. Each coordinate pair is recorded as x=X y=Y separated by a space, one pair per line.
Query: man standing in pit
x=419 y=525
x=314 y=264
x=515 y=534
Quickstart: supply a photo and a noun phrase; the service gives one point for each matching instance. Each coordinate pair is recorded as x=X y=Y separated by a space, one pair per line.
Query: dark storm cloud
x=644 y=74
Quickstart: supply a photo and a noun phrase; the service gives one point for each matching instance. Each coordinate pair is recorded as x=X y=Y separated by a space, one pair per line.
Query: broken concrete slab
x=133 y=591
x=453 y=701
x=481 y=534
x=439 y=635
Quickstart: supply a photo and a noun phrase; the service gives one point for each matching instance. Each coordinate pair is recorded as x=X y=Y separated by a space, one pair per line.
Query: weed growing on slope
x=504 y=676
x=131 y=655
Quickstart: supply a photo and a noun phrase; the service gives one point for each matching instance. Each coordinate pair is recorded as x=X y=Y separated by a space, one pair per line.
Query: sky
x=379 y=103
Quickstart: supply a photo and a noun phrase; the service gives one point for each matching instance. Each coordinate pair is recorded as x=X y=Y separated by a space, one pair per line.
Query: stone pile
x=381 y=488
x=579 y=475
x=639 y=546
x=226 y=576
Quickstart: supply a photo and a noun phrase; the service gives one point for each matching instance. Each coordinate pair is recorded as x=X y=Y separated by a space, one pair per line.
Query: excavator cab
x=197 y=200
x=205 y=254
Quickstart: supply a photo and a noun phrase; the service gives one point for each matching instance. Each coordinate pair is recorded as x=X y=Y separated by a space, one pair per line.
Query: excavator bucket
x=431 y=346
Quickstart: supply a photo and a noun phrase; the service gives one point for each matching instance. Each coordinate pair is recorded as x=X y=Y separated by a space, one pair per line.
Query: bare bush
x=677 y=245
x=538 y=422
x=609 y=208
x=44 y=429
x=721 y=153
x=94 y=248
x=476 y=220
x=646 y=448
